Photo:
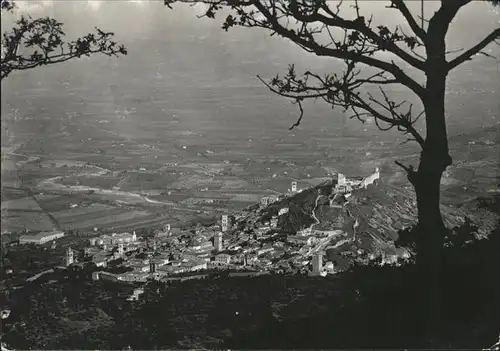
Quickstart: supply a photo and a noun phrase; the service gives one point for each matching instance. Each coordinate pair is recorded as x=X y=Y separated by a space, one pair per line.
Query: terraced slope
x=371 y=216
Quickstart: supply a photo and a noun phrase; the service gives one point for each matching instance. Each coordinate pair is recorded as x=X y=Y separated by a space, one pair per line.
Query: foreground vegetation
x=368 y=306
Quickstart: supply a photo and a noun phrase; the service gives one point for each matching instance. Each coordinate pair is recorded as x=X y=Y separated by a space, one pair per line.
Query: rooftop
x=41 y=235
x=298 y=237
x=133 y=275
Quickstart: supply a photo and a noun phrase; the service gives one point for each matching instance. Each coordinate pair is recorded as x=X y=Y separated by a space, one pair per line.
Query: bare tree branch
x=360 y=26
x=360 y=42
x=297 y=123
x=410 y=172
x=474 y=50
x=36 y=42
x=341 y=91
x=404 y=122
x=401 y=6
x=341 y=53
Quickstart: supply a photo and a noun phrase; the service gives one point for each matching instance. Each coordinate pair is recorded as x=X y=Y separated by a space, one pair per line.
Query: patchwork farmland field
x=145 y=181
x=103 y=182
x=12 y=193
x=54 y=203
x=115 y=193
x=99 y=219
x=25 y=203
x=20 y=220
x=86 y=210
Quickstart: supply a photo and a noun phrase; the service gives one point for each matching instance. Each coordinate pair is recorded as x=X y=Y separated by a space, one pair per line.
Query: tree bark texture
x=433 y=162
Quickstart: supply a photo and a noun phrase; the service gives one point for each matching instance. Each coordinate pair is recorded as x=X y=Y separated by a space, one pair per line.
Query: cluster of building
x=267 y=200
x=270 y=199
x=171 y=252
x=317 y=266
x=113 y=239
x=255 y=247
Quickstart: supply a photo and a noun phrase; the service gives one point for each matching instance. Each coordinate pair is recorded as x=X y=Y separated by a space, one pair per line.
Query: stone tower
x=340 y=179
x=226 y=223
x=218 y=241
x=120 y=249
x=70 y=258
x=317 y=263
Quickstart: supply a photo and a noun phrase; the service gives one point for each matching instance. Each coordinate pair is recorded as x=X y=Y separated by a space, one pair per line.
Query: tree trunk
x=433 y=162
x=430 y=240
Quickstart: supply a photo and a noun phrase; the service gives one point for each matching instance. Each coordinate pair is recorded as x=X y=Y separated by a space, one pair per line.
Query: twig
x=297 y=123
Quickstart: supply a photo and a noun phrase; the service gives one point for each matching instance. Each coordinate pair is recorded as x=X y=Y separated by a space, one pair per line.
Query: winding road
x=52 y=185
x=331 y=234
x=313 y=214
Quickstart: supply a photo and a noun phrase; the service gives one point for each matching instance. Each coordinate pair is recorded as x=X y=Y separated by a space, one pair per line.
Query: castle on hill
x=345 y=185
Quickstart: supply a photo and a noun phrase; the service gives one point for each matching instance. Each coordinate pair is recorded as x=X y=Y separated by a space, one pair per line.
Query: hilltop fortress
x=345 y=185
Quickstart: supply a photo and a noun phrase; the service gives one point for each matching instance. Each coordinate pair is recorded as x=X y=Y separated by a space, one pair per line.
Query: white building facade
x=41 y=238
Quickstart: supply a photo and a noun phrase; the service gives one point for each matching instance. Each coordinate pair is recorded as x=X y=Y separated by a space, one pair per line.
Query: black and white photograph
x=250 y=174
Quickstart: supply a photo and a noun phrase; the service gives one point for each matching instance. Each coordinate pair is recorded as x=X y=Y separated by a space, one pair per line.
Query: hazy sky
x=188 y=53
x=151 y=30
x=147 y=18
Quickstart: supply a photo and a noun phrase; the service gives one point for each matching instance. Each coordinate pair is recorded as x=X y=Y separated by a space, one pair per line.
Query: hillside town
x=235 y=244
